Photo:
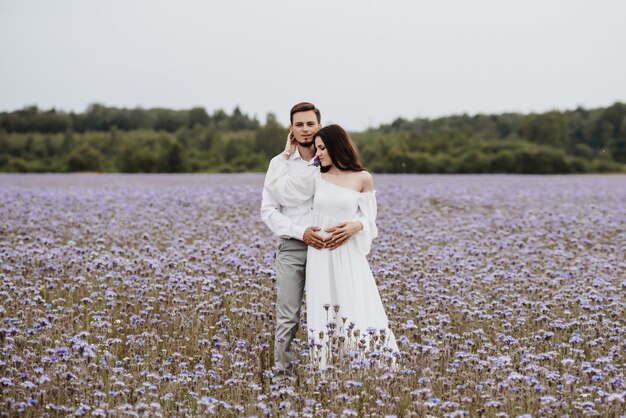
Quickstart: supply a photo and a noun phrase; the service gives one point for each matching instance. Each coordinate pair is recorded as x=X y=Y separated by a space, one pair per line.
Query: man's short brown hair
x=304 y=107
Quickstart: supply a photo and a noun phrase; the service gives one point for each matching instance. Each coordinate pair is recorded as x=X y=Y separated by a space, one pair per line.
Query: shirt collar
x=296 y=155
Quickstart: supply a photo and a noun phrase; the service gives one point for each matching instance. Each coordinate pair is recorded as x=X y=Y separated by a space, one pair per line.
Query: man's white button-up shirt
x=286 y=221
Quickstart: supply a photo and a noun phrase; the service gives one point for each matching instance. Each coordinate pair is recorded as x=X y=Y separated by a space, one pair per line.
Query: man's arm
x=289 y=188
x=276 y=221
x=283 y=226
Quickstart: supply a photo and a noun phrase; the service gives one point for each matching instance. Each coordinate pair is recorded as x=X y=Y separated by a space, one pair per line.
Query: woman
x=341 y=293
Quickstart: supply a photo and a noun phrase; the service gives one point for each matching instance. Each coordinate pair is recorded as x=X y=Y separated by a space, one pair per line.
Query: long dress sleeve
x=367 y=215
x=290 y=187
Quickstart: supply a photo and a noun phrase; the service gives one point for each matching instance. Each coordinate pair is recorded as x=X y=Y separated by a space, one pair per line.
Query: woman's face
x=322 y=152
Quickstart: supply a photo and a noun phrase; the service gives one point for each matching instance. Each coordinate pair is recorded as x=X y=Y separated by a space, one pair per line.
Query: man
x=292 y=224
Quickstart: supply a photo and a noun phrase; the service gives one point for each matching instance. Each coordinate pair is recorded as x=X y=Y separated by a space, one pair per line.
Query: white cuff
x=297 y=231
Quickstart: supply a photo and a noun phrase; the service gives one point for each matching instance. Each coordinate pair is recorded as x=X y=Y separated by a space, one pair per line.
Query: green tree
x=548 y=129
x=583 y=151
x=270 y=139
x=174 y=159
x=618 y=144
x=207 y=139
x=503 y=162
x=472 y=162
x=234 y=149
x=607 y=126
x=84 y=158
x=198 y=116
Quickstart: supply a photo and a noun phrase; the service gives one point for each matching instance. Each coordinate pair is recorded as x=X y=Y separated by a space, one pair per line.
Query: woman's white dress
x=341 y=293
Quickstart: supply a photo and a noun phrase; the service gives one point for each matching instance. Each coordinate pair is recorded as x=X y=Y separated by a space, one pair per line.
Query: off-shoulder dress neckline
x=345 y=188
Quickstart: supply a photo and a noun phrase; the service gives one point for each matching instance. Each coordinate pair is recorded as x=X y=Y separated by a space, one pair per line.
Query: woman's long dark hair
x=341 y=149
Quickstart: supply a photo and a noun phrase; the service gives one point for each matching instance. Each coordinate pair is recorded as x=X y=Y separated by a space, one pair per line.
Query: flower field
x=152 y=295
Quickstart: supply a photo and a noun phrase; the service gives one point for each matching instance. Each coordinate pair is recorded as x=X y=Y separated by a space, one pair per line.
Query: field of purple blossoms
x=152 y=295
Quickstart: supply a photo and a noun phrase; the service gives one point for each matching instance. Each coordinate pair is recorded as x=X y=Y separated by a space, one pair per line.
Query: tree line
x=100 y=118
x=108 y=139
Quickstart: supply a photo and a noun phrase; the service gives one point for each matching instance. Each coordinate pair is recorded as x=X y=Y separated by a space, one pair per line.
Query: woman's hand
x=290 y=146
x=339 y=234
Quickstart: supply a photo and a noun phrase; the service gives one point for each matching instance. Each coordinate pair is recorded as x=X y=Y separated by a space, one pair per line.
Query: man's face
x=304 y=127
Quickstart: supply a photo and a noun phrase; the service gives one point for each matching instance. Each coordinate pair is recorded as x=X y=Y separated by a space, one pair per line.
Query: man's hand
x=339 y=234
x=290 y=146
x=312 y=238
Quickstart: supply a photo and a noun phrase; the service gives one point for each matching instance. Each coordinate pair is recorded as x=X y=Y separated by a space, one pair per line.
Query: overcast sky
x=363 y=62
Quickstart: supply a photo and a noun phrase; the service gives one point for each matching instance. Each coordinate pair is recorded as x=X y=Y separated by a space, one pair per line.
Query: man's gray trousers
x=290 y=279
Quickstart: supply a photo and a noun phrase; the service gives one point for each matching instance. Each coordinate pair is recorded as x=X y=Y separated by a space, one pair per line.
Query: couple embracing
x=321 y=202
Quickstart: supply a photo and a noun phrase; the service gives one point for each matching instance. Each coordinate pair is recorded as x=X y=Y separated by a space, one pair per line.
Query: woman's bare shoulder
x=367 y=181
